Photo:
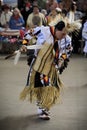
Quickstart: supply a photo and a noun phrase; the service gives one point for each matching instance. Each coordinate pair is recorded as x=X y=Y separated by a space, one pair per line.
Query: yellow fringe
x=47 y=96
x=24 y=93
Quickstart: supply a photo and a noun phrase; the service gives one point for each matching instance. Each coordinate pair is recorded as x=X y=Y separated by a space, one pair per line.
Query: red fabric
x=28 y=5
x=16 y=17
x=22 y=33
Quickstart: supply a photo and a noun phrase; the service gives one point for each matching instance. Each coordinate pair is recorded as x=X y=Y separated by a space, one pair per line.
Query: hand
x=18 y=24
x=23 y=48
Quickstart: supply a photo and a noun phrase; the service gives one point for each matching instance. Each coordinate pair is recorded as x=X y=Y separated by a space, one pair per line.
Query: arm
x=21 y=22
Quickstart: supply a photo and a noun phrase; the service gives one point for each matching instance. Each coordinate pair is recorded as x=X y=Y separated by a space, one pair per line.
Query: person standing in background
x=36 y=12
x=75 y=16
x=26 y=10
x=16 y=21
x=5 y=16
x=51 y=5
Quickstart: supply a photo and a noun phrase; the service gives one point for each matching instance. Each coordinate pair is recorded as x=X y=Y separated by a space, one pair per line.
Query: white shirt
x=5 y=17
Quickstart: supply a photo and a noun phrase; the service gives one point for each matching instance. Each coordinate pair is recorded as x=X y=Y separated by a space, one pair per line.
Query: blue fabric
x=59 y=1
x=13 y=23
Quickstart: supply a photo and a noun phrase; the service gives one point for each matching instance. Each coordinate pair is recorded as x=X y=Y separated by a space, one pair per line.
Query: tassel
x=24 y=93
x=17 y=57
x=47 y=96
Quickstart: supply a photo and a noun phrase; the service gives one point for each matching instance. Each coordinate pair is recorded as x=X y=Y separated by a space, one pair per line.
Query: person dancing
x=43 y=82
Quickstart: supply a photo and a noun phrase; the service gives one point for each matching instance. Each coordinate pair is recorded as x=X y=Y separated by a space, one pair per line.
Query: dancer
x=43 y=82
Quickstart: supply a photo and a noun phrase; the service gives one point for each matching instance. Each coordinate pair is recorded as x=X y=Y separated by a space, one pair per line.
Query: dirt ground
x=69 y=114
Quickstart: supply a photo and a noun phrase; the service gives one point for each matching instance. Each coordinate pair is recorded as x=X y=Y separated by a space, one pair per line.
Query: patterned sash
x=44 y=59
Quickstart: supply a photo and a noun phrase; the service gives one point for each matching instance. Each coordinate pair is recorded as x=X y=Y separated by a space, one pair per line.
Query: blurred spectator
x=54 y=16
x=50 y=5
x=5 y=16
x=84 y=35
x=16 y=21
x=44 y=12
x=73 y=14
x=36 y=12
x=60 y=4
x=35 y=2
x=26 y=10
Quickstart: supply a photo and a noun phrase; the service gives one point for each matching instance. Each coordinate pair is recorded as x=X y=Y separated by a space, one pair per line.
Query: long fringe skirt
x=44 y=82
